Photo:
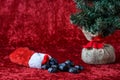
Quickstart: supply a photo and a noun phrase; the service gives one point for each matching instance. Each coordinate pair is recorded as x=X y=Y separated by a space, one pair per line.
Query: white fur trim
x=36 y=60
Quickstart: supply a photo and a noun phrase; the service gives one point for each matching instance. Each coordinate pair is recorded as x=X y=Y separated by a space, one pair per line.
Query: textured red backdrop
x=44 y=26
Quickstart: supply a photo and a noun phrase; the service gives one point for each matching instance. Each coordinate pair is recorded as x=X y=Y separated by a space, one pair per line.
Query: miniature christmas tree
x=97 y=19
x=102 y=16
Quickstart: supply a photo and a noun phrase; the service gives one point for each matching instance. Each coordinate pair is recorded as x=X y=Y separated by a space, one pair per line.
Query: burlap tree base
x=99 y=56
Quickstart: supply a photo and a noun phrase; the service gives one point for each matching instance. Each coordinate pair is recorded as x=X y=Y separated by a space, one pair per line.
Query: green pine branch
x=102 y=17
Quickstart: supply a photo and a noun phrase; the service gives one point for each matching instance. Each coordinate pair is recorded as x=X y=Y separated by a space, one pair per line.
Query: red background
x=44 y=26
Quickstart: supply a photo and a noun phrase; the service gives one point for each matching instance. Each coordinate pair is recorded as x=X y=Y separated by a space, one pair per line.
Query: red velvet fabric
x=44 y=26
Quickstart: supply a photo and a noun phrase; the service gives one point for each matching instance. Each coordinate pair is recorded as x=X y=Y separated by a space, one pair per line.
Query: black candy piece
x=79 y=67
x=69 y=63
x=52 y=69
x=63 y=64
x=55 y=66
x=53 y=61
x=45 y=66
x=73 y=70
x=63 y=67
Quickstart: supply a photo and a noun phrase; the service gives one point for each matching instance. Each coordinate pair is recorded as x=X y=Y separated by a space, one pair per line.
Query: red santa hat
x=27 y=57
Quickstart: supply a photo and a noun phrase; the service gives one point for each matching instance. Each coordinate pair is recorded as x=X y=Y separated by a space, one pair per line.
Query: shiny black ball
x=63 y=67
x=73 y=70
x=69 y=63
x=52 y=69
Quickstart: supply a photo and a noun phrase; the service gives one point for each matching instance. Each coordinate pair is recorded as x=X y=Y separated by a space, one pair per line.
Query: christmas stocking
x=29 y=58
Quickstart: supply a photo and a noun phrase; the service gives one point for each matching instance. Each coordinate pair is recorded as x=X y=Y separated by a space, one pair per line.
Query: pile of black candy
x=52 y=66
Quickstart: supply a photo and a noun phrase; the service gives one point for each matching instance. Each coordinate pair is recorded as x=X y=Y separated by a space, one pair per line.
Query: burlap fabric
x=98 y=56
